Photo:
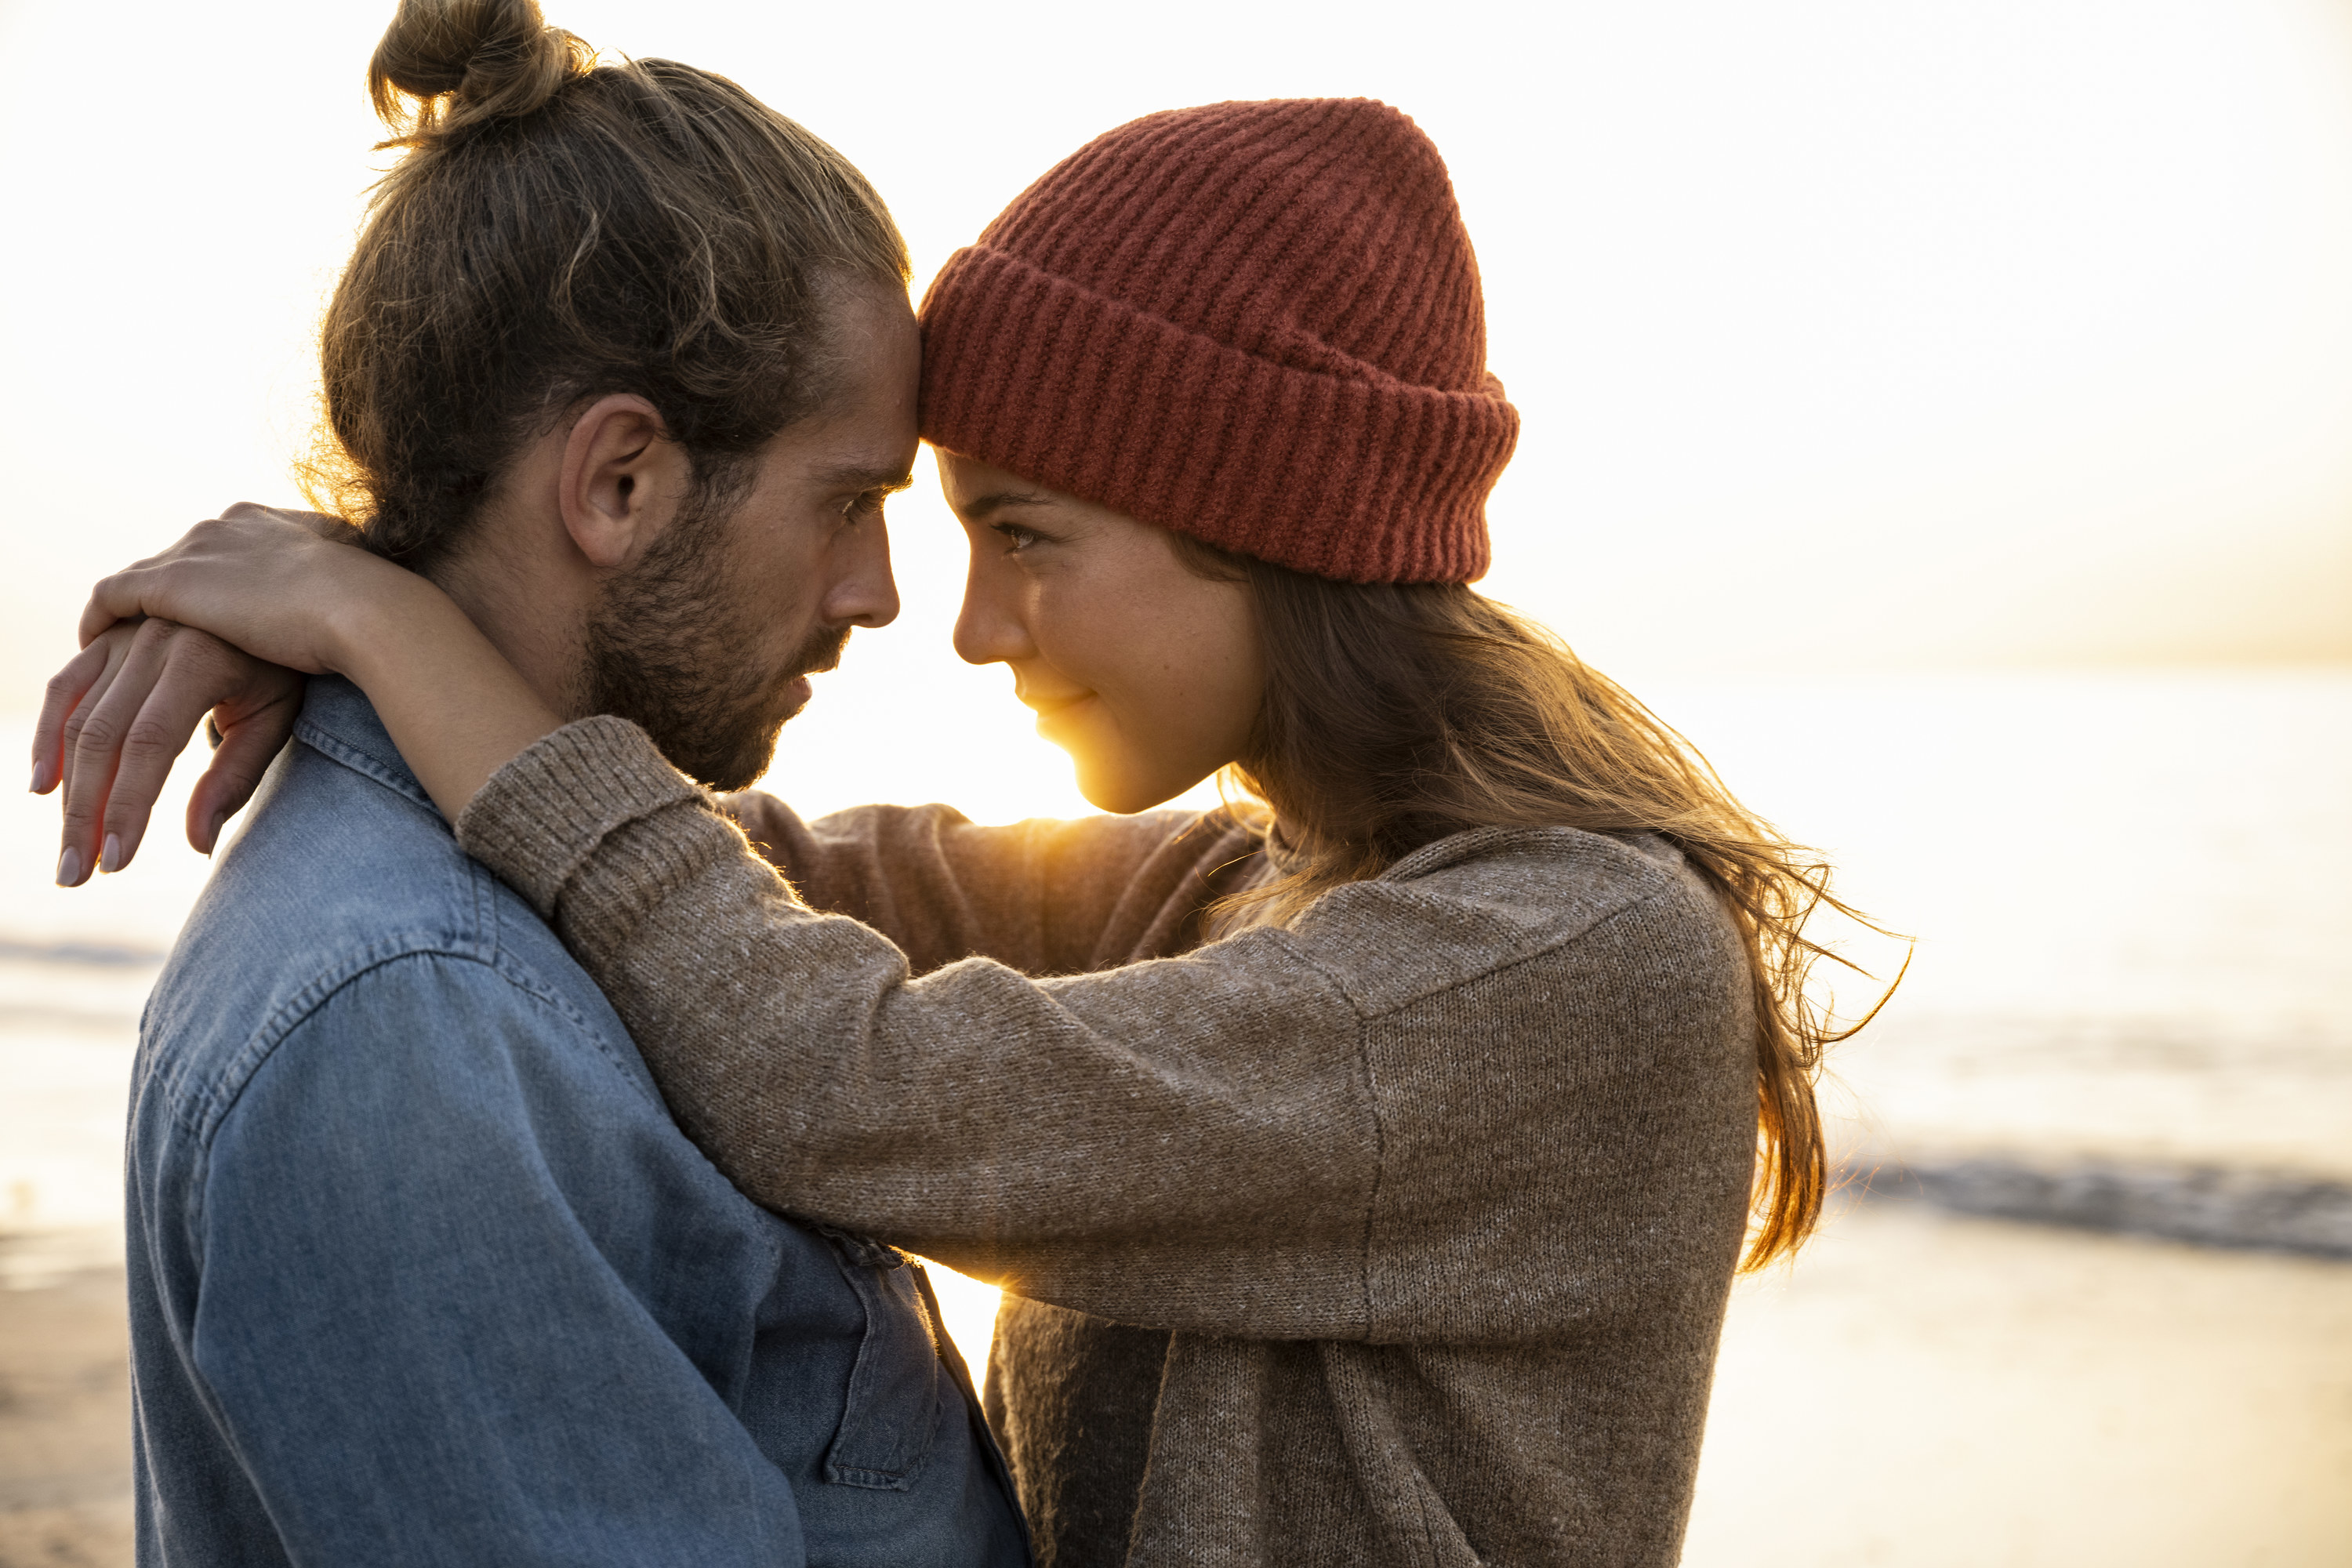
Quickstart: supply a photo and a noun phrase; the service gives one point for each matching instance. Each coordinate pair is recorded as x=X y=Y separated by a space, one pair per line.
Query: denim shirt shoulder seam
x=219 y=1101
x=365 y=764
x=201 y=1114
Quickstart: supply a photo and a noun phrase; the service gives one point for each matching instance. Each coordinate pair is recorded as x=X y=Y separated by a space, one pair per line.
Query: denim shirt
x=421 y=1271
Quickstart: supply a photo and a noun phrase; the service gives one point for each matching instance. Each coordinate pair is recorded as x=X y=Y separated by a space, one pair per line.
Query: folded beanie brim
x=1373 y=478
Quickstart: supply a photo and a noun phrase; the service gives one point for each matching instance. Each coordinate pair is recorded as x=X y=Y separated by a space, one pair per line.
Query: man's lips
x=797 y=692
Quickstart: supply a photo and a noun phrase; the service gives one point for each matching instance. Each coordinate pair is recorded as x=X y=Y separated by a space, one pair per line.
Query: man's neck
x=537 y=625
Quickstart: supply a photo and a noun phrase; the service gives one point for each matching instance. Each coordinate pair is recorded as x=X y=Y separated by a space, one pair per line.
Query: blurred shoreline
x=2201 y=1205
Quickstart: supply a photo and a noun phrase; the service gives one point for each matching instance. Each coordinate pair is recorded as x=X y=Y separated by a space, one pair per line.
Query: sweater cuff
x=542 y=816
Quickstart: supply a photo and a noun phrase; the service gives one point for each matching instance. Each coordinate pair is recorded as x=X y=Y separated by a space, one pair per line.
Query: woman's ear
x=621 y=478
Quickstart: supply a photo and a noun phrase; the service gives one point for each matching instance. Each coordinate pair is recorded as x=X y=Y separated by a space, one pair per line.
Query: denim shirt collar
x=338 y=718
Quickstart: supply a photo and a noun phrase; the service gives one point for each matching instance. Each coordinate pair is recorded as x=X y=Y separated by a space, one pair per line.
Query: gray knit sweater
x=1400 y=1233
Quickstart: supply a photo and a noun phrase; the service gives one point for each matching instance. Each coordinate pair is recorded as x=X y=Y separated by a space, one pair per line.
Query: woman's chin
x=1125 y=791
x=1113 y=794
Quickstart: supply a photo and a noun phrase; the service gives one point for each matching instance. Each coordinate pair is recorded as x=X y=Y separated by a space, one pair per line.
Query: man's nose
x=865 y=594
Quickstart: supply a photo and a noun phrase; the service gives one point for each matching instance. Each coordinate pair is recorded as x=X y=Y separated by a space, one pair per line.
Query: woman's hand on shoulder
x=285 y=586
x=120 y=712
x=117 y=715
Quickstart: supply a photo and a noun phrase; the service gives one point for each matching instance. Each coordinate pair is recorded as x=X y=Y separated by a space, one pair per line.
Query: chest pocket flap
x=892 y=1416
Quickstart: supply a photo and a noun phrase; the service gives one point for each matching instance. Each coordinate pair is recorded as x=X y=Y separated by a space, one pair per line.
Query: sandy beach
x=1927 y=1391
x=1922 y=1391
x=64 y=1423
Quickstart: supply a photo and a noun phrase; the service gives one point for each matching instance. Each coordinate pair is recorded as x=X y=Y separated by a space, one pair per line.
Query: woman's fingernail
x=69 y=869
x=212 y=838
x=41 y=777
x=109 y=858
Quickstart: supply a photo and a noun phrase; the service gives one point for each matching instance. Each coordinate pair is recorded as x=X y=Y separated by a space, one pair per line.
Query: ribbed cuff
x=543 y=814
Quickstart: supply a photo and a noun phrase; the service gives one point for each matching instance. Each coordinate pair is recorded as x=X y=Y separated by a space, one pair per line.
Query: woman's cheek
x=1113 y=741
x=1124 y=761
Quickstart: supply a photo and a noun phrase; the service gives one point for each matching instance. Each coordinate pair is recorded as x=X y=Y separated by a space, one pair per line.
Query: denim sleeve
x=435 y=1231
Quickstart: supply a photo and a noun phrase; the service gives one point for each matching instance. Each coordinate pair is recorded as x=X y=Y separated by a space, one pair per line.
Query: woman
x=1394 y=1224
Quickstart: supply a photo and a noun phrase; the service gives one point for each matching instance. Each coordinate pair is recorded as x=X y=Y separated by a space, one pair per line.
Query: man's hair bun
x=445 y=64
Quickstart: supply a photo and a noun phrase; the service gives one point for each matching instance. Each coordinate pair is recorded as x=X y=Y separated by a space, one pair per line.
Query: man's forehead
x=877 y=471
x=852 y=447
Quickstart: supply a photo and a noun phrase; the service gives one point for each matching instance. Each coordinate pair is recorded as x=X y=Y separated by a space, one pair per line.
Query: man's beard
x=665 y=647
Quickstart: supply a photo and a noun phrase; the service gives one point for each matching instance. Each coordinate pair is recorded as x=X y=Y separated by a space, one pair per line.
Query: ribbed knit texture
x=1397 y=1235
x=599 y=773
x=1256 y=323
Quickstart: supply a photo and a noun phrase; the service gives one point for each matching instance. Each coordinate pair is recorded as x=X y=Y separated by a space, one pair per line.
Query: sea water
x=2131 y=895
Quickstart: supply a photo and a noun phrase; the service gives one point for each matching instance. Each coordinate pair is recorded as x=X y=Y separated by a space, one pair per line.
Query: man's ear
x=621 y=480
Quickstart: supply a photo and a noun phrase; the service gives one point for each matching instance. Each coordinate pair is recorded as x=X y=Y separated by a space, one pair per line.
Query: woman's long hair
x=1396 y=714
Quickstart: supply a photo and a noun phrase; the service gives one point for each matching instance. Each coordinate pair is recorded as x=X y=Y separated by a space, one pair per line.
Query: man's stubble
x=670 y=648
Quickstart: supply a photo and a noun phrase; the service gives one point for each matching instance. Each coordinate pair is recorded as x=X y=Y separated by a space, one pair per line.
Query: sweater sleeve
x=1123 y=1144
x=1044 y=896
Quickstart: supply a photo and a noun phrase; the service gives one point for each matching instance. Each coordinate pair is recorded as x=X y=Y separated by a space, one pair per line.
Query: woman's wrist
x=451 y=701
x=381 y=614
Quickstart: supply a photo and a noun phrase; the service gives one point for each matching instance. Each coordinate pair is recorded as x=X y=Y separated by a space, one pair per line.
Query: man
x=421 y=1271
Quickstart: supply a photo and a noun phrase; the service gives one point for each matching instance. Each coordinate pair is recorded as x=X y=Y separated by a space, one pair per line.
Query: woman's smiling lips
x=1049 y=709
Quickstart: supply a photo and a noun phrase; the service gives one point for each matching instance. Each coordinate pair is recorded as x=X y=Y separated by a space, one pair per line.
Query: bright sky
x=1857 y=333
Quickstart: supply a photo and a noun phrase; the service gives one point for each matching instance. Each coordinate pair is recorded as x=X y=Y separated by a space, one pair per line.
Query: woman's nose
x=989 y=627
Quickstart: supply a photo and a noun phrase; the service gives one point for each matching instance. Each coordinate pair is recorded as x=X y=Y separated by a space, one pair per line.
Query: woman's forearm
x=1054 y=1134
x=457 y=711
x=1045 y=897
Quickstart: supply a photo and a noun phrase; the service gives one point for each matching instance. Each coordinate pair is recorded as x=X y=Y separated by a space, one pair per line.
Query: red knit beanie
x=1256 y=323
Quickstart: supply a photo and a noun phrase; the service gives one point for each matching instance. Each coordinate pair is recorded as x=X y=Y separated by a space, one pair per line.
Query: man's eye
x=865 y=507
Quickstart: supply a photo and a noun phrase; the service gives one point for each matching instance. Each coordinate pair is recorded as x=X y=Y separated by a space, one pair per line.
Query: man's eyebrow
x=981 y=506
x=853 y=476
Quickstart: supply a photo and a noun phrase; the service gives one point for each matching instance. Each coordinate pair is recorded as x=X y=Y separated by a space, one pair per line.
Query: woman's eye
x=1017 y=538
